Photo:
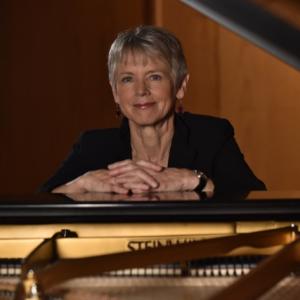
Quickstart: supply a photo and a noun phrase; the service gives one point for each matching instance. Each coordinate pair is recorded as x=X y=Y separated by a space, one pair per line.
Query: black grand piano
x=180 y=244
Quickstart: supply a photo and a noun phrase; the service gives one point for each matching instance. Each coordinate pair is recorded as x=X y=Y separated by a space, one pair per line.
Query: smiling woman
x=155 y=149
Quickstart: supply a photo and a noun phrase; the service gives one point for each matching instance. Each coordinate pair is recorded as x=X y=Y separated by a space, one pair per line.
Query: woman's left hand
x=174 y=179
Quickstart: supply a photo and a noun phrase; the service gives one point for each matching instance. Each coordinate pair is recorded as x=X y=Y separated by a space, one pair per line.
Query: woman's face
x=144 y=89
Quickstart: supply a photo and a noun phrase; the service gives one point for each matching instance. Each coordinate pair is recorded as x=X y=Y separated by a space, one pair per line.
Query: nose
x=141 y=88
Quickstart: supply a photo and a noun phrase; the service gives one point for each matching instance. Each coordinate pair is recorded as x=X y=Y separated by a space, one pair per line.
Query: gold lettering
x=145 y=244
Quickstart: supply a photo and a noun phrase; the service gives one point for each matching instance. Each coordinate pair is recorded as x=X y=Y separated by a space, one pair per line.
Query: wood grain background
x=54 y=84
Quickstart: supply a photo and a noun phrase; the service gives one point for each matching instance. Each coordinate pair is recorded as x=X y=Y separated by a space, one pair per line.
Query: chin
x=144 y=122
x=149 y=121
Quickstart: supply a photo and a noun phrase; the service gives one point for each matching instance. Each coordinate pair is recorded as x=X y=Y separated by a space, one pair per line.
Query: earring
x=118 y=111
x=180 y=108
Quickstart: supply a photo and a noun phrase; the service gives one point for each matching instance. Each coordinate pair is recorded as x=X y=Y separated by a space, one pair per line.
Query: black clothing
x=200 y=142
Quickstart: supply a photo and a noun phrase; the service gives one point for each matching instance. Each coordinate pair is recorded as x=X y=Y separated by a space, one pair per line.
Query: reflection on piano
x=131 y=249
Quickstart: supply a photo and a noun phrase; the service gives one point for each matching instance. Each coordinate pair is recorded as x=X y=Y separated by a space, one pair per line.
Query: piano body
x=177 y=244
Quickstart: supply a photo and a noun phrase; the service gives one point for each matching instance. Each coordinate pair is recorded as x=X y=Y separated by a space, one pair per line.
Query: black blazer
x=200 y=142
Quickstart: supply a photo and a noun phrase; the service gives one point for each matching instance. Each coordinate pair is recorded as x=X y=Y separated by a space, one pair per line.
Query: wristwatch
x=202 y=180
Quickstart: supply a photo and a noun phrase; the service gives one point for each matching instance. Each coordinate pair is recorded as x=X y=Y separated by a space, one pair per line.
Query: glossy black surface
x=55 y=208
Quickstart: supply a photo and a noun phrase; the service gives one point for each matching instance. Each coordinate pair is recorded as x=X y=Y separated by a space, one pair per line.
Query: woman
x=155 y=149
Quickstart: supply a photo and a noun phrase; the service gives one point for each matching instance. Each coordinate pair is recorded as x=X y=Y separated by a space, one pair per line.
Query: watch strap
x=202 y=180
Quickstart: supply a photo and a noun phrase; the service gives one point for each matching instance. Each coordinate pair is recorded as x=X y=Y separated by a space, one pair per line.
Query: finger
x=126 y=165
x=119 y=164
x=119 y=189
x=136 y=186
x=122 y=169
x=132 y=182
x=149 y=165
x=137 y=176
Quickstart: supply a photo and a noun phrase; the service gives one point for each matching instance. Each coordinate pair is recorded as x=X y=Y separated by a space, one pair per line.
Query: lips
x=144 y=105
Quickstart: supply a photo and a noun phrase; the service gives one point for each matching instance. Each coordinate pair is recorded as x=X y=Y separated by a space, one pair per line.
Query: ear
x=181 y=90
x=114 y=91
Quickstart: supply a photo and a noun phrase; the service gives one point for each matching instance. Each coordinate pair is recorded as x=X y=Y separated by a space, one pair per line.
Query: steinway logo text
x=145 y=244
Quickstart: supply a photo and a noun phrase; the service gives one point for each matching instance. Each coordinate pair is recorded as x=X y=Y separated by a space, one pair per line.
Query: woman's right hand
x=137 y=176
x=121 y=177
x=93 y=181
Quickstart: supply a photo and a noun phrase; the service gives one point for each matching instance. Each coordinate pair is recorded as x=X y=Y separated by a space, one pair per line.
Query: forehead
x=139 y=58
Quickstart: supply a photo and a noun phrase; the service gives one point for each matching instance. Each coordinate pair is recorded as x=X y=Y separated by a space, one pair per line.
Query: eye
x=155 y=77
x=126 y=79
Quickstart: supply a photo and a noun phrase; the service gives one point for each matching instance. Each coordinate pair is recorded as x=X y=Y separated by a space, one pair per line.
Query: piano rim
x=145 y=211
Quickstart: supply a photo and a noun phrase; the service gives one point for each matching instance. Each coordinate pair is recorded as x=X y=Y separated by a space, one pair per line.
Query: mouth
x=144 y=105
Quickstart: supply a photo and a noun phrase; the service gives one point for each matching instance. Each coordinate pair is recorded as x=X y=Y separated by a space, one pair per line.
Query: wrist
x=73 y=186
x=190 y=180
x=202 y=180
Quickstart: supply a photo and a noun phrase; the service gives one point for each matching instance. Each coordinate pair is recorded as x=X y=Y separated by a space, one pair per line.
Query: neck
x=152 y=143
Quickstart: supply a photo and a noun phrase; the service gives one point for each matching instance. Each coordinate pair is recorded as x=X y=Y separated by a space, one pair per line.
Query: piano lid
x=264 y=23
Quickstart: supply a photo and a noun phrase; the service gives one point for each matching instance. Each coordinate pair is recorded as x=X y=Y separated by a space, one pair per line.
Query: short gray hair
x=151 y=40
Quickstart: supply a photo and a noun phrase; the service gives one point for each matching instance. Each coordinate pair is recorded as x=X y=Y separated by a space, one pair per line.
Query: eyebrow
x=131 y=73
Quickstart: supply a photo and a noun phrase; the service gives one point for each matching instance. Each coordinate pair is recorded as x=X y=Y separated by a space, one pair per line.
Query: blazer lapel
x=182 y=153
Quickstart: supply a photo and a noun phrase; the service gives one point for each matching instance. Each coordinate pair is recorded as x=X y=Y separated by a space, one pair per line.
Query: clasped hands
x=130 y=176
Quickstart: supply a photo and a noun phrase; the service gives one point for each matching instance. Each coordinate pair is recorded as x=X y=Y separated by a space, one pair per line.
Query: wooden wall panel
x=53 y=62
x=260 y=95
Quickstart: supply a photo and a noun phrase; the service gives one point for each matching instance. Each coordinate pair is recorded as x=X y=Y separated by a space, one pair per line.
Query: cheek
x=166 y=94
x=122 y=94
x=163 y=89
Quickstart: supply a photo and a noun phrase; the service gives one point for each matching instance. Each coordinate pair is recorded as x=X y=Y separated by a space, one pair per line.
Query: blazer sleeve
x=72 y=167
x=230 y=170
